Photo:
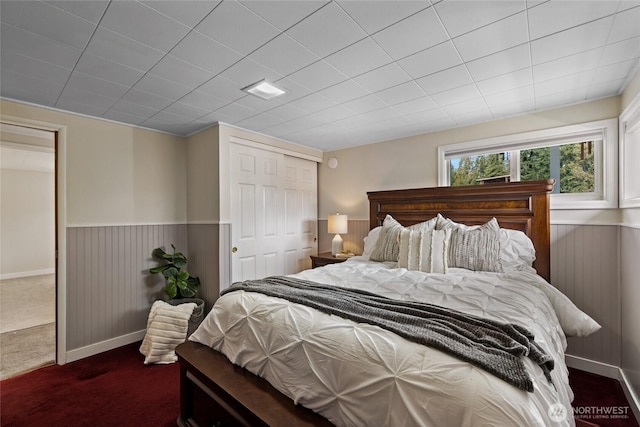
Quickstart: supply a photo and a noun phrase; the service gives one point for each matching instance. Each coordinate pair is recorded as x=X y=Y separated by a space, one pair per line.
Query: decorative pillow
x=370 y=241
x=388 y=243
x=516 y=249
x=424 y=250
x=474 y=248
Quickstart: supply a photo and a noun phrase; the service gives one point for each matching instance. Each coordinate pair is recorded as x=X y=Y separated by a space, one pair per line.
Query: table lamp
x=337 y=225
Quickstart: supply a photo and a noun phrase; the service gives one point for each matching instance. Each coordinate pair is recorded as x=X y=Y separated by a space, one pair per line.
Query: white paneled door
x=273 y=212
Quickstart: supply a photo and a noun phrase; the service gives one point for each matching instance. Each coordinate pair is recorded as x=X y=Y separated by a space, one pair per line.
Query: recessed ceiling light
x=264 y=89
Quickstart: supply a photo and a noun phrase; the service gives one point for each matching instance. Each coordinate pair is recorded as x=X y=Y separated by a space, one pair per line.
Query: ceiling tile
x=379 y=115
x=205 y=53
x=507 y=61
x=287 y=112
x=334 y=113
x=415 y=105
x=626 y=25
x=374 y=16
x=496 y=37
x=359 y=58
x=89 y=84
x=507 y=81
x=445 y=80
x=381 y=78
x=232 y=113
x=621 y=51
x=108 y=70
x=247 y=72
x=431 y=60
x=560 y=97
x=147 y=99
x=564 y=83
x=457 y=95
x=616 y=71
x=327 y=30
x=259 y=122
x=203 y=100
x=123 y=117
x=73 y=103
x=222 y=88
x=402 y=93
x=283 y=13
x=460 y=17
x=22 y=87
x=569 y=42
x=77 y=93
x=143 y=24
x=180 y=72
x=48 y=21
x=365 y=104
x=520 y=107
x=20 y=64
x=169 y=89
x=465 y=107
x=34 y=46
x=90 y=10
x=284 y=55
x=188 y=12
x=318 y=76
x=604 y=89
x=567 y=65
x=554 y=16
x=512 y=96
x=312 y=103
x=237 y=27
x=345 y=91
x=185 y=110
x=117 y=48
x=411 y=35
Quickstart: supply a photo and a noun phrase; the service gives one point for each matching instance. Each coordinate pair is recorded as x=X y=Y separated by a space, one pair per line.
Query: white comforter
x=362 y=375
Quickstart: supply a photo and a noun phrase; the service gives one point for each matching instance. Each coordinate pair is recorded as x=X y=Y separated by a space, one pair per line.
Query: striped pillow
x=474 y=248
x=388 y=244
x=424 y=250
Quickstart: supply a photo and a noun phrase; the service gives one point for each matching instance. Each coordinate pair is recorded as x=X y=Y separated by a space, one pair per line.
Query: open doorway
x=28 y=249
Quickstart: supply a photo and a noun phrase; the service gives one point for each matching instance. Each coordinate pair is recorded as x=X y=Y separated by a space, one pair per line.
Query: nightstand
x=324 y=259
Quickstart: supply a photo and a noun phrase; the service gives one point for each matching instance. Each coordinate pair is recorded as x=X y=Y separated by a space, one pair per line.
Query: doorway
x=28 y=249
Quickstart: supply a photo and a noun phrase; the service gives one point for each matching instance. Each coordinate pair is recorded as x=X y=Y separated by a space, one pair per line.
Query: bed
x=260 y=359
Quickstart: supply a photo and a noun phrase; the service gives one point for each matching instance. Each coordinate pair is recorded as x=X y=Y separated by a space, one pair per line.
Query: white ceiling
x=356 y=72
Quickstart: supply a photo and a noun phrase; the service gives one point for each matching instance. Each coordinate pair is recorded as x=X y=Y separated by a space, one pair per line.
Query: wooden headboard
x=520 y=206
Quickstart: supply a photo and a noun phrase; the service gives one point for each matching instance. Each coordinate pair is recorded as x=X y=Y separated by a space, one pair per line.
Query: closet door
x=273 y=212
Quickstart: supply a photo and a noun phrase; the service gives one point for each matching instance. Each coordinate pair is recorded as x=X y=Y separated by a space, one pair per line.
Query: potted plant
x=180 y=286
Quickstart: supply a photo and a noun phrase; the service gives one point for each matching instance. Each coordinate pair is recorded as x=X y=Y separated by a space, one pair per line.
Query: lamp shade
x=337 y=224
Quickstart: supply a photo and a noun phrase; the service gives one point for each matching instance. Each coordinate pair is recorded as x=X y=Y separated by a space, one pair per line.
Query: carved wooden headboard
x=520 y=206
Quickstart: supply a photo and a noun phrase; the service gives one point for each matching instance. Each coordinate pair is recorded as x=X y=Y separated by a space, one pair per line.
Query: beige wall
x=412 y=162
x=631 y=91
x=115 y=174
x=203 y=177
x=27 y=225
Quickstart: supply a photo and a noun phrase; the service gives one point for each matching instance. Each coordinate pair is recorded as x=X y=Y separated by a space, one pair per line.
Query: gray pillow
x=474 y=248
x=388 y=245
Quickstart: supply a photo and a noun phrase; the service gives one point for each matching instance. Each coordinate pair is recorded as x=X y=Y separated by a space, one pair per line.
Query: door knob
x=234 y=249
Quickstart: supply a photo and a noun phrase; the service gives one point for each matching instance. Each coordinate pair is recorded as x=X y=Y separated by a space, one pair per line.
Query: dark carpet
x=113 y=388
x=599 y=401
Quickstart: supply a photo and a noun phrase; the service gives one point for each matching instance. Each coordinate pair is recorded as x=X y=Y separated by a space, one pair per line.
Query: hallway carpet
x=27 y=349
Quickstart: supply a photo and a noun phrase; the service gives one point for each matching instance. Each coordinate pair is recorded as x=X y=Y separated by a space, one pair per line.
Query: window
x=581 y=158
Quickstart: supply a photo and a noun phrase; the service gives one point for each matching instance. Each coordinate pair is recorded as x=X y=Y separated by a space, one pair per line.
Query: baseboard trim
x=101 y=347
x=609 y=371
x=27 y=274
x=598 y=368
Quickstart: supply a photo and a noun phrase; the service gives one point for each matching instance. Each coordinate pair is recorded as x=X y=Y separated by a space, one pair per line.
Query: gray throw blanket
x=495 y=347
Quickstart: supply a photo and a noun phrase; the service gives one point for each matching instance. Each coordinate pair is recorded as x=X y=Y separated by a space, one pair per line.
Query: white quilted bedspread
x=362 y=375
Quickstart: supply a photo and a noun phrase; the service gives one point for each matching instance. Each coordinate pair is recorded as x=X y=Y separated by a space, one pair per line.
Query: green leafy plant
x=179 y=283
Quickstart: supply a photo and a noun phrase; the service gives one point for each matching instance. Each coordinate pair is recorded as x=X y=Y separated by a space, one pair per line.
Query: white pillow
x=388 y=243
x=426 y=251
x=516 y=250
x=370 y=241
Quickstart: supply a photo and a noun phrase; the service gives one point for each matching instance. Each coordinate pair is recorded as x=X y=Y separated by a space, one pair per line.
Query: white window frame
x=629 y=138
x=606 y=158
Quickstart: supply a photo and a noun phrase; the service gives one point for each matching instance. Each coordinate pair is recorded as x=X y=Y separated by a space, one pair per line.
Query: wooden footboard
x=215 y=392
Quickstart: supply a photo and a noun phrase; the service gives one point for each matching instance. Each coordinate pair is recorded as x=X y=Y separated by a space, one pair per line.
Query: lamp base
x=336 y=245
